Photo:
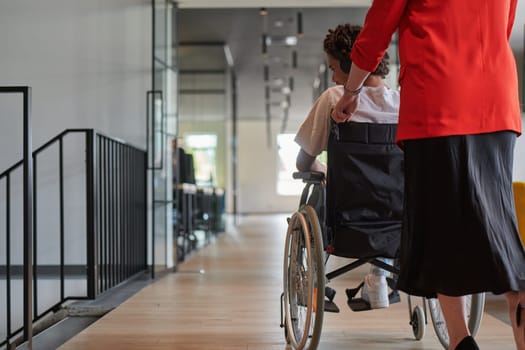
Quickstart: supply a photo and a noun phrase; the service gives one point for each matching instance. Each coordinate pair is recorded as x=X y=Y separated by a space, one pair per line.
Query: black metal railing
x=27 y=218
x=120 y=199
x=89 y=227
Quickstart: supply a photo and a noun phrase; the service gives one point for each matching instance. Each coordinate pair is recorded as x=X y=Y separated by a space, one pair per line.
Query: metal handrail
x=61 y=135
x=28 y=208
x=115 y=216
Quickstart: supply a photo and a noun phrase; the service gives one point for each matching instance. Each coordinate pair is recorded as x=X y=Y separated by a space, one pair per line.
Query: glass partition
x=162 y=131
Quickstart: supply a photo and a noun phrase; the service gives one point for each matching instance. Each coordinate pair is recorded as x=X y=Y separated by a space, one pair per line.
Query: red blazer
x=458 y=73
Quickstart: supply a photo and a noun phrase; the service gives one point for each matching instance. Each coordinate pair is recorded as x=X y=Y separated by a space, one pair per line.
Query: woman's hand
x=346 y=106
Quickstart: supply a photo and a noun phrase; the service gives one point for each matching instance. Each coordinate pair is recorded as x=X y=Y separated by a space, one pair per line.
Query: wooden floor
x=226 y=296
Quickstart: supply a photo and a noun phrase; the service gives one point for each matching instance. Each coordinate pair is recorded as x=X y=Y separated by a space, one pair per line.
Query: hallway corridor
x=226 y=296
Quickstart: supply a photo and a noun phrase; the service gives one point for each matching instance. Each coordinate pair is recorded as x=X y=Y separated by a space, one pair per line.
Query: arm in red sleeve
x=512 y=15
x=381 y=22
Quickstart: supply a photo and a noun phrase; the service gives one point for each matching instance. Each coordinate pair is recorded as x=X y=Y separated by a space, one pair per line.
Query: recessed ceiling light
x=278 y=23
x=291 y=40
x=280 y=40
x=278 y=82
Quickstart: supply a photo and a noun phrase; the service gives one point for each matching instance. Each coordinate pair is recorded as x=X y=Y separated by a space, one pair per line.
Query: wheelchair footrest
x=359 y=304
x=329 y=305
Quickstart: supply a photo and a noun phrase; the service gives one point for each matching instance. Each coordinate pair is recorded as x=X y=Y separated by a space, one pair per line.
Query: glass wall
x=162 y=131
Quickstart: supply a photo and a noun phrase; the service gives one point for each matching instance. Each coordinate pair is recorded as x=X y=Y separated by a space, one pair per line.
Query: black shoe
x=468 y=343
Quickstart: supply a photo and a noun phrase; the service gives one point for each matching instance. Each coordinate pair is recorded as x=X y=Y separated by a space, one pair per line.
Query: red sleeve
x=512 y=15
x=381 y=22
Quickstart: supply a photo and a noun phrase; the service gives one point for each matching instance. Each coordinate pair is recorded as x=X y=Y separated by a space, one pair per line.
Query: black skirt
x=459 y=225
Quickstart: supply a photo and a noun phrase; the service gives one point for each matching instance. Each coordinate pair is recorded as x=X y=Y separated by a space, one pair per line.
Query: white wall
x=89 y=65
x=257 y=172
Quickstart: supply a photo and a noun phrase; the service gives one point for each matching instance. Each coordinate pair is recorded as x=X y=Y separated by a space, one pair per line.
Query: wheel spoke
x=303 y=306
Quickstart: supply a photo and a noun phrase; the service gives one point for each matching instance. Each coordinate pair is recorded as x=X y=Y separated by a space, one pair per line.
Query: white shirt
x=376 y=105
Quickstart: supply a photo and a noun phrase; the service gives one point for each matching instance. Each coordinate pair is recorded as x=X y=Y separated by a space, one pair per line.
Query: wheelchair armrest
x=309 y=176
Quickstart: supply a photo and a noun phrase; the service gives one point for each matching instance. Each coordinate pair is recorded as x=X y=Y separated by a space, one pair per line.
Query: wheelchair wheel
x=418 y=322
x=474 y=305
x=303 y=280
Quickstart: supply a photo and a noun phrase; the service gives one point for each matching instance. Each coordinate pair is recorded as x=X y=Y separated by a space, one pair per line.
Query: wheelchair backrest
x=365 y=179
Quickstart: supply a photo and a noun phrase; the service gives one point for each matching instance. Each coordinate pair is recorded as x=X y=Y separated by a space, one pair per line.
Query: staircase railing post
x=92 y=273
x=27 y=209
x=28 y=218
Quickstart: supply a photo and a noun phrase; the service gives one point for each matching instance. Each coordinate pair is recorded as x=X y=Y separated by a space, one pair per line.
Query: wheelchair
x=356 y=214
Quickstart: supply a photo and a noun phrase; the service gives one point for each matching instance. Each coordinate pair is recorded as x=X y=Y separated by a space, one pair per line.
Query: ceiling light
x=286 y=90
x=279 y=40
x=263 y=11
x=278 y=82
x=290 y=40
x=228 y=54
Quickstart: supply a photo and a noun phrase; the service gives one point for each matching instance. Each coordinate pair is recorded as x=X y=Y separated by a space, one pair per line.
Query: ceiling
x=209 y=4
x=202 y=32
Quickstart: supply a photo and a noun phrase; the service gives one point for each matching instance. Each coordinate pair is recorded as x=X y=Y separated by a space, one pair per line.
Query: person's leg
x=375 y=288
x=517 y=313
x=375 y=291
x=454 y=312
x=377 y=271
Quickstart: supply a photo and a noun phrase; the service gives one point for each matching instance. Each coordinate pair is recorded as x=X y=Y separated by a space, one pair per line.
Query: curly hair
x=338 y=44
